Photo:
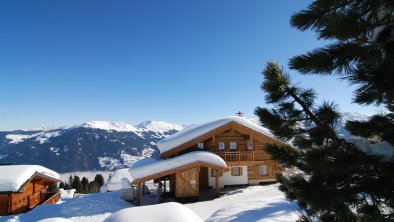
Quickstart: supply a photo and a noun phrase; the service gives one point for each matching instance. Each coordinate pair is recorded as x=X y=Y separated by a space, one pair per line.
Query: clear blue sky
x=68 y=62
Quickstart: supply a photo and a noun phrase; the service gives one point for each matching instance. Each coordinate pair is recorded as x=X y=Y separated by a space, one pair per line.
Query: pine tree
x=99 y=179
x=85 y=185
x=67 y=186
x=338 y=182
x=70 y=180
x=77 y=185
x=362 y=52
x=94 y=187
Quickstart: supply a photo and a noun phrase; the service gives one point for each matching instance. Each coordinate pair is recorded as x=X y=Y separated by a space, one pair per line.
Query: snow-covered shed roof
x=194 y=131
x=13 y=177
x=149 y=167
x=115 y=183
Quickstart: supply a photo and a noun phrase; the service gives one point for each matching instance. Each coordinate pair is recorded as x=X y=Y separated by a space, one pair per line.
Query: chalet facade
x=22 y=187
x=236 y=140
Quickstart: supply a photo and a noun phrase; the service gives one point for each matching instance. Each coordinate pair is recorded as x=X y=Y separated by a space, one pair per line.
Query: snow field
x=254 y=203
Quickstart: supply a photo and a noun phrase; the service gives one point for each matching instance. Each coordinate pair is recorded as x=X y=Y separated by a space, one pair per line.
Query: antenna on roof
x=241 y=114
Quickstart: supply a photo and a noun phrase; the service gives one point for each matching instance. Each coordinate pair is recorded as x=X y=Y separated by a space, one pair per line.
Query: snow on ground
x=174 y=212
x=254 y=203
x=55 y=219
x=94 y=207
x=12 y=177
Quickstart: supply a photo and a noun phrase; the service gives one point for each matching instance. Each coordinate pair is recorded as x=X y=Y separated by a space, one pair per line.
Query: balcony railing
x=52 y=198
x=234 y=156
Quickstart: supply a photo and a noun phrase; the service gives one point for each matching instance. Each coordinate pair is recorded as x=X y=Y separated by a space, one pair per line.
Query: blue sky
x=68 y=62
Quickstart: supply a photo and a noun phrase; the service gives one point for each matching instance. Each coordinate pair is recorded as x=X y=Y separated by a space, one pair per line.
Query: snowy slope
x=158 y=126
x=110 y=126
x=383 y=149
x=254 y=203
x=95 y=145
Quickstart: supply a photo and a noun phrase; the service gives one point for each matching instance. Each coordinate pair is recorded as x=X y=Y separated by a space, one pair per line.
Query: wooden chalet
x=22 y=187
x=235 y=139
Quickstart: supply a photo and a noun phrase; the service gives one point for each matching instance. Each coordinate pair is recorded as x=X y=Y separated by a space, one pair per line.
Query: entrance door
x=203 y=178
x=187 y=184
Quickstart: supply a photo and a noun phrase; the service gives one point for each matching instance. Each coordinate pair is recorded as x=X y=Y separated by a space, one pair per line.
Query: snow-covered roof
x=115 y=183
x=12 y=177
x=156 y=213
x=198 y=130
x=150 y=166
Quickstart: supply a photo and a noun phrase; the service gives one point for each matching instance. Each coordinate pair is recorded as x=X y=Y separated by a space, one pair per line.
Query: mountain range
x=96 y=145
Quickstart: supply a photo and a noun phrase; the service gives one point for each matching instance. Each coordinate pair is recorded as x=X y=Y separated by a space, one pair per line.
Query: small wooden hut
x=22 y=187
x=182 y=173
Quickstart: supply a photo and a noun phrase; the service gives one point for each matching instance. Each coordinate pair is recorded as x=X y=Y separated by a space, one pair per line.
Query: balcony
x=236 y=156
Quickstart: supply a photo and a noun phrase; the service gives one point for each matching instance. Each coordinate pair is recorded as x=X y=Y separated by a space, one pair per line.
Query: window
x=222 y=146
x=263 y=170
x=200 y=146
x=236 y=171
x=233 y=145
x=250 y=146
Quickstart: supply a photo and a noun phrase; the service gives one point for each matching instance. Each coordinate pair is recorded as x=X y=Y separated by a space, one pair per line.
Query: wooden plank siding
x=4 y=204
x=179 y=169
x=187 y=183
x=54 y=198
x=32 y=194
x=242 y=156
x=253 y=170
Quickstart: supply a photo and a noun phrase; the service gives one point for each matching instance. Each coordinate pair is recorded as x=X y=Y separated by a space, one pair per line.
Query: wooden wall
x=251 y=158
x=34 y=193
x=242 y=140
x=3 y=204
x=272 y=168
x=187 y=183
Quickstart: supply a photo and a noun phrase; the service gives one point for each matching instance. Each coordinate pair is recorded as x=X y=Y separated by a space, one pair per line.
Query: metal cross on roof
x=240 y=113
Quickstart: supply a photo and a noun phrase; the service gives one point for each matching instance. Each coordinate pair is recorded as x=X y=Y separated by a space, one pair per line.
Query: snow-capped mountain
x=98 y=145
x=101 y=145
x=110 y=126
x=340 y=127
